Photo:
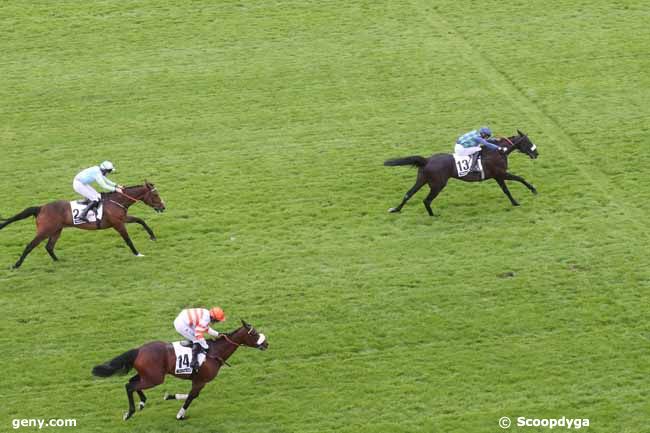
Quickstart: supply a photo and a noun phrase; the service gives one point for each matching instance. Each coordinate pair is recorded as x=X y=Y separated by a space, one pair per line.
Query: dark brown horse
x=439 y=168
x=156 y=359
x=53 y=217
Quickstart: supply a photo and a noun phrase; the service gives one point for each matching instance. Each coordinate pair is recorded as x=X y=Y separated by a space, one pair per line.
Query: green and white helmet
x=107 y=166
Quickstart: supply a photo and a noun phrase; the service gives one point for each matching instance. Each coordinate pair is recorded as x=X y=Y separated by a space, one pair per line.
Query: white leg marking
x=181 y=414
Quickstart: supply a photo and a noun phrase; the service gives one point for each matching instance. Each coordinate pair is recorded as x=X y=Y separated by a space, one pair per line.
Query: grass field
x=264 y=125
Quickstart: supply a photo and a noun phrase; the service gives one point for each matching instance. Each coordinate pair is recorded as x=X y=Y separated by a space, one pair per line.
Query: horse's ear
x=520 y=133
x=246 y=325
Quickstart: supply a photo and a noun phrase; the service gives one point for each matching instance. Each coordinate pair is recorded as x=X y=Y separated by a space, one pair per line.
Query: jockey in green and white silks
x=97 y=173
x=470 y=143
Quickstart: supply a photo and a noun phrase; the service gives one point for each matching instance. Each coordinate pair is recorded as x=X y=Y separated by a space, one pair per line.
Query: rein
x=128 y=196
x=220 y=359
x=225 y=336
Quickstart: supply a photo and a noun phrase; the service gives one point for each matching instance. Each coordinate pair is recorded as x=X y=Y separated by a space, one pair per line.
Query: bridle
x=228 y=340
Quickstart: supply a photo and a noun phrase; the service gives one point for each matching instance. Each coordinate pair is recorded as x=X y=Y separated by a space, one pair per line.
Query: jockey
x=191 y=323
x=471 y=143
x=97 y=173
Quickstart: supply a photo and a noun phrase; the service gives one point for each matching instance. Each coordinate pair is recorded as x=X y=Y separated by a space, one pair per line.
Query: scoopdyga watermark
x=550 y=423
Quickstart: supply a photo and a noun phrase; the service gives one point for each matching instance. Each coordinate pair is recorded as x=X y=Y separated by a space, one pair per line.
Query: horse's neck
x=135 y=191
x=509 y=142
x=223 y=348
x=127 y=199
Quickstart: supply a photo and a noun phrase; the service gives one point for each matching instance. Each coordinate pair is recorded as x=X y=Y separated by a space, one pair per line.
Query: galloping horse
x=53 y=217
x=439 y=168
x=156 y=359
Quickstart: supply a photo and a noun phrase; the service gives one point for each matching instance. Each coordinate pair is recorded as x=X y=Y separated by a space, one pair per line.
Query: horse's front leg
x=133 y=219
x=436 y=187
x=510 y=176
x=197 y=386
x=168 y=396
x=121 y=229
x=506 y=191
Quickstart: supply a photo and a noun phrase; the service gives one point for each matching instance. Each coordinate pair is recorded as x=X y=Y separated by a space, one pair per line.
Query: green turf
x=265 y=125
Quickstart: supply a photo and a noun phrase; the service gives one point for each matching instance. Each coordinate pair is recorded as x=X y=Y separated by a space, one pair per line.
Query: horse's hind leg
x=506 y=191
x=30 y=246
x=418 y=184
x=143 y=398
x=136 y=384
x=510 y=176
x=130 y=387
x=435 y=190
x=50 y=245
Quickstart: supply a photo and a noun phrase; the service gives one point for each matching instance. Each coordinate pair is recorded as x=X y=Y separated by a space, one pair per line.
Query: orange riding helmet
x=217 y=314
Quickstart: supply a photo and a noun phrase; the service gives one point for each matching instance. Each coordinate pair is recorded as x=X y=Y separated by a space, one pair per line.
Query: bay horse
x=156 y=359
x=53 y=217
x=439 y=168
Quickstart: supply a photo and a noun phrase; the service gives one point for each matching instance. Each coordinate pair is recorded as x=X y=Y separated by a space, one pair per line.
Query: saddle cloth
x=184 y=358
x=464 y=165
x=79 y=205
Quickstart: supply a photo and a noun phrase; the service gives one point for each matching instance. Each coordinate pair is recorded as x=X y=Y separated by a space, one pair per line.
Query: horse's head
x=248 y=336
x=523 y=144
x=152 y=198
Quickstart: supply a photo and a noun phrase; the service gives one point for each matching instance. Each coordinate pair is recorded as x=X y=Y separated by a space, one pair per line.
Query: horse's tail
x=30 y=211
x=121 y=364
x=416 y=160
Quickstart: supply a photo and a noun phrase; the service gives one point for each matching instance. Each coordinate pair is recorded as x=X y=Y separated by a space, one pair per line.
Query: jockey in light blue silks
x=469 y=144
x=97 y=173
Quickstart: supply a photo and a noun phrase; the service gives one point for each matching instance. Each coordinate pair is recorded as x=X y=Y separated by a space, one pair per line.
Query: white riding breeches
x=188 y=333
x=86 y=190
x=466 y=151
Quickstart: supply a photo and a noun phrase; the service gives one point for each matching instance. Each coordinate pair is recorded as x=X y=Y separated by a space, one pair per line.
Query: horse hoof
x=127 y=415
x=393 y=210
x=141 y=405
x=153 y=238
x=139 y=255
x=534 y=191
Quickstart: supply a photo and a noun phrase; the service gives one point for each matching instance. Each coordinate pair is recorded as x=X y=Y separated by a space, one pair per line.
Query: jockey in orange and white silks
x=193 y=323
x=83 y=180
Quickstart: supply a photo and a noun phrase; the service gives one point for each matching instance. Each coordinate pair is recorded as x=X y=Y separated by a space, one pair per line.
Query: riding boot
x=196 y=349
x=84 y=213
x=474 y=166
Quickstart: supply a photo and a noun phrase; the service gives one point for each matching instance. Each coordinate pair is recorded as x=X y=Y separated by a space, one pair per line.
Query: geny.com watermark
x=551 y=423
x=43 y=423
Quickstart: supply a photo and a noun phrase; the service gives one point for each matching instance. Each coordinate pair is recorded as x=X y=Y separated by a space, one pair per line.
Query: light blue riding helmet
x=107 y=166
x=485 y=131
